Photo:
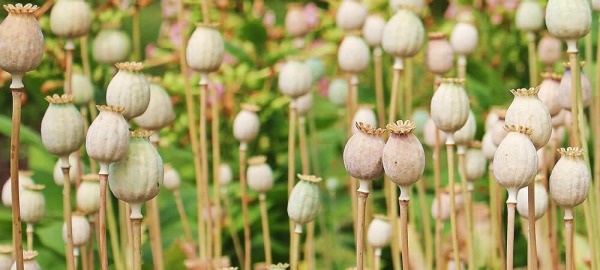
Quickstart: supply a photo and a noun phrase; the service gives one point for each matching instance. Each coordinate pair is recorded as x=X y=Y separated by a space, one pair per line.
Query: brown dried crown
x=501 y=113
x=368 y=129
x=34 y=187
x=90 y=178
x=130 y=66
x=29 y=255
x=309 y=178
x=20 y=9
x=571 y=152
x=257 y=160
x=522 y=92
x=250 y=107
x=476 y=144
x=401 y=127
x=153 y=79
x=110 y=108
x=567 y=65
x=56 y=99
x=453 y=80
x=436 y=35
x=520 y=129
x=551 y=76
x=78 y=213
x=141 y=133
x=280 y=265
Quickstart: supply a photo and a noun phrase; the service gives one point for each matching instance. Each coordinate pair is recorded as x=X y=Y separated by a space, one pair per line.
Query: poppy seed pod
x=259 y=174
x=439 y=54
x=62 y=127
x=403 y=34
x=83 y=90
x=464 y=38
x=295 y=79
x=565 y=89
x=21 y=42
x=530 y=16
x=429 y=134
x=33 y=204
x=559 y=119
x=88 y=194
x=160 y=111
x=528 y=110
x=497 y=131
x=303 y=203
x=171 y=179
x=108 y=136
x=403 y=156
x=205 y=49
x=57 y=173
x=465 y=135
x=351 y=15
x=379 y=233
x=363 y=153
x=569 y=20
x=24 y=179
x=415 y=5
x=570 y=178
x=549 y=92
x=475 y=164
x=304 y=104
x=129 y=88
x=515 y=161
x=450 y=106
x=70 y=18
x=444 y=201
x=373 y=30
x=29 y=262
x=111 y=45
x=80 y=228
x=225 y=174
x=540 y=204
x=365 y=115
x=338 y=92
x=491 y=119
x=296 y=24
x=246 y=123
x=549 y=50
x=488 y=146
x=6 y=258
x=353 y=54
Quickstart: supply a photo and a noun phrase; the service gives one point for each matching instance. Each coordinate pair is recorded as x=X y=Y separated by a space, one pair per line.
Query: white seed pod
x=560 y=119
x=259 y=174
x=129 y=88
x=464 y=38
x=363 y=153
x=80 y=229
x=70 y=18
x=528 y=110
x=295 y=79
x=515 y=161
x=444 y=202
x=488 y=146
x=465 y=135
x=379 y=234
x=304 y=104
x=549 y=92
x=351 y=15
x=33 y=205
x=205 y=49
x=159 y=113
x=21 y=42
x=429 y=134
x=403 y=156
x=6 y=258
x=108 y=136
x=73 y=172
x=530 y=16
x=491 y=119
x=416 y=5
x=540 y=201
x=83 y=90
x=365 y=115
x=403 y=34
x=171 y=179
x=568 y=20
x=62 y=127
x=87 y=196
x=24 y=179
x=439 y=54
x=373 y=30
x=225 y=174
x=246 y=123
x=570 y=179
x=476 y=165
x=111 y=46
x=564 y=89
x=29 y=262
x=338 y=92
x=498 y=132
x=450 y=106
x=353 y=54
x=296 y=24
x=549 y=50
x=303 y=203
x=137 y=177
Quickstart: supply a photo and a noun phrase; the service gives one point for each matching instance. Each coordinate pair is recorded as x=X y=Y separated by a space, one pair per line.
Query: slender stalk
x=182 y=215
x=295 y=251
x=596 y=129
x=85 y=56
x=462 y=67
x=29 y=234
x=84 y=258
x=69 y=47
x=234 y=237
x=135 y=21
x=591 y=233
x=90 y=262
x=129 y=250
x=265 y=228
x=205 y=11
x=404 y=232
x=291 y=161
x=75 y=257
x=426 y=224
x=462 y=167
x=439 y=258
x=453 y=224
x=247 y=243
x=531 y=53
x=552 y=226
x=309 y=250
x=102 y=218
x=377 y=262
x=137 y=243
x=65 y=166
x=532 y=256
x=112 y=231
x=510 y=234
x=14 y=175
x=392 y=206
x=308 y=245
x=363 y=193
x=494 y=216
x=569 y=234
x=575 y=88
x=398 y=67
x=408 y=89
x=124 y=225
x=216 y=158
x=379 y=85
x=352 y=108
x=154 y=232
x=204 y=164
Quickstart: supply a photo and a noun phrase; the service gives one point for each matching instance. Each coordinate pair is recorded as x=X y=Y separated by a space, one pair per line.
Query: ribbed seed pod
x=108 y=136
x=70 y=18
x=429 y=134
x=353 y=54
x=515 y=161
x=403 y=156
x=24 y=179
x=338 y=92
x=129 y=88
x=295 y=21
x=259 y=174
x=444 y=201
x=171 y=179
x=465 y=135
x=416 y=5
x=564 y=89
x=304 y=104
x=568 y=20
x=403 y=34
x=528 y=110
x=246 y=123
x=541 y=201
x=57 y=173
x=88 y=194
x=450 y=106
x=6 y=258
x=111 y=45
x=530 y=16
x=379 y=233
x=488 y=146
x=549 y=50
x=29 y=262
x=205 y=49
x=138 y=176
x=570 y=178
x=295 y=79
x=373 y=30
x=303 y=203
x=81 y=229
x=476 y=164
x=225 y=174
x=159 y=113
x=21 y=42
x=464 y=38
x=365 y=115
x=33 y=205
x=363 y=153
x=351 y=15
x=62 y=126
x=83 y=90
x=439 y=54
x=549 y=92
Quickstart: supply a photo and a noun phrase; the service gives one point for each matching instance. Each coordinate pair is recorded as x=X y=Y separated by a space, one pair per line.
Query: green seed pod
x=450 y=106
x=303 y=204
x=108 y=137
x=205 y=49
x=295 y=79
x=88 y=194
x=129 y=88
x=111 y=45
x=351 y=15
x=80 y=228
x=403 y=35
x=33 y=204
x=160 y=112
x=70 y=18
x=259 y=174
x=62 y=126
x=83 y=90
x=569 y=20
x=24 y=179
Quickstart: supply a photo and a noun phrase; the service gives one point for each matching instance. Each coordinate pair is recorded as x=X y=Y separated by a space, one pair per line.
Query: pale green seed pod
x=569 y=20
x=304 y=104
x=373 y=30
x=129 y=88
x=403 y=35
x=62 y=126
x=351 y=15
x=205 y=49
x=111 y=45
x=159 y=113
x=259 y=174
x=24 y=179
x=83 y=90
x=80 y=229
x=87 y=196
x=528 y=110
x=379 y=234
x=295 y=79
x=246 y=123
x=450 y=106
x=530 y=16
x=225 y=174
x=465 y=135
x=338 y=92
x=303 y=203
x=540 y=201
x=464 y=38
x=33 y=204
x=171 y=179
x=570 y=179
x=475 y=164
x=70 y=18
x=353 y=54
x=487 y=146
x=108 y=137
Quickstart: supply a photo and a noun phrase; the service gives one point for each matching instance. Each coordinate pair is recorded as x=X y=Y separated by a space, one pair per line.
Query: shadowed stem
x=453 y=224
x=102 y=221
x=204 y=165
x=531 y=53
x=137 y=243
x=569 y=234
x=291 y=159
x=154 y=232
x=247 y=243
x=65 y=166
x=532 y=257
x=265 y=228
x=494 y=217
x=90 y=262
x=182 y=215
x=295 y=251
x=426 y=224
x=379 y=85
x=439 y=258
x=404 y=232
x=510 y=234
x=14 y=176
x=216 y=154
x=462 y=167
x=29 y=234
x=234 y=237
x=360 y=241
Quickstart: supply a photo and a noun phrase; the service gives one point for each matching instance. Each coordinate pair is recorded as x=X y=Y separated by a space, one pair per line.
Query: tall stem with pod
x=302 y=208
